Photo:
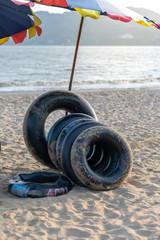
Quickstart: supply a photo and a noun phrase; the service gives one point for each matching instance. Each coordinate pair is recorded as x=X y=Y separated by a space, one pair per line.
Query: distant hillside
x=62 y=29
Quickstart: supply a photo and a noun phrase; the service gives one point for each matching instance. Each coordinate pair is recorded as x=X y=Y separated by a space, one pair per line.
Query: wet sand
x=131 y=211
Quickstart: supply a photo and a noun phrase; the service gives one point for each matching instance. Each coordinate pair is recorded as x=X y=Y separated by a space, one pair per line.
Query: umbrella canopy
x=94 y=8
x=15 y=19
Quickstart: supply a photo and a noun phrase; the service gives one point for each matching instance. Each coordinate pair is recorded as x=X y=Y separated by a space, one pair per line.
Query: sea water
x=43 y=68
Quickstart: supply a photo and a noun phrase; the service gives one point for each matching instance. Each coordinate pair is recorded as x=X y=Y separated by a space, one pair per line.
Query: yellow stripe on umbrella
x=88 y=13
x=3 y=40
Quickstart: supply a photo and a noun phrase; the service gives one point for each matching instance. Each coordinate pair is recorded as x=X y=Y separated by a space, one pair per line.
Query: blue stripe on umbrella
x=84 y=4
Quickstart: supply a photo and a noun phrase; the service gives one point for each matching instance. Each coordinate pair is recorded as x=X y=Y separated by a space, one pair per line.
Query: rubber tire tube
x=119 y=151
x=69 y=127
x=55 y=131
x=65 y=150
x=39 y=184
x=36 y=115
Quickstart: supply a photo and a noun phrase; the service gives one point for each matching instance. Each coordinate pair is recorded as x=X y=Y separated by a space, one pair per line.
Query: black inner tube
x=39 y=184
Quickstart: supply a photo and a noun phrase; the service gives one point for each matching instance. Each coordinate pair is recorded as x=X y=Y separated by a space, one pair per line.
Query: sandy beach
x=131 y=211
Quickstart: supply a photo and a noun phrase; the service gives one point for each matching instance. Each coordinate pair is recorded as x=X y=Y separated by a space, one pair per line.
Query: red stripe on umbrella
x=118 y=17
x=19 y=37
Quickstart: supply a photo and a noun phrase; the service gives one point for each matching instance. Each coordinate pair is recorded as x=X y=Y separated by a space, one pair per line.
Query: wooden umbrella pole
x=75 y=54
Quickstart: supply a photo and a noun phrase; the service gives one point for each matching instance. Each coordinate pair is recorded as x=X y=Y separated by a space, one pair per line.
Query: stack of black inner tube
x=88 y=152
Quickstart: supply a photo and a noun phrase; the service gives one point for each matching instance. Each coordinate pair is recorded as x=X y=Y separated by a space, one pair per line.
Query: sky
x=153 y=5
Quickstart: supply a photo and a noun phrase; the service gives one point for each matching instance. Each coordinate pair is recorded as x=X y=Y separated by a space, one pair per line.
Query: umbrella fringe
x=19 y=37
x=36 y=20
x=88 y=13
x=4 y=40
x=118 y=17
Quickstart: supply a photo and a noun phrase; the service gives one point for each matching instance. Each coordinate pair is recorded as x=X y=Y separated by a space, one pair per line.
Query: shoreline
x=80 y=91
x=128 y=212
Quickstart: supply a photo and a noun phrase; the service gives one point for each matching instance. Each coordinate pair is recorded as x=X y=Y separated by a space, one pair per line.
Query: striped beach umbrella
x=16 y=18
x=95 y=8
